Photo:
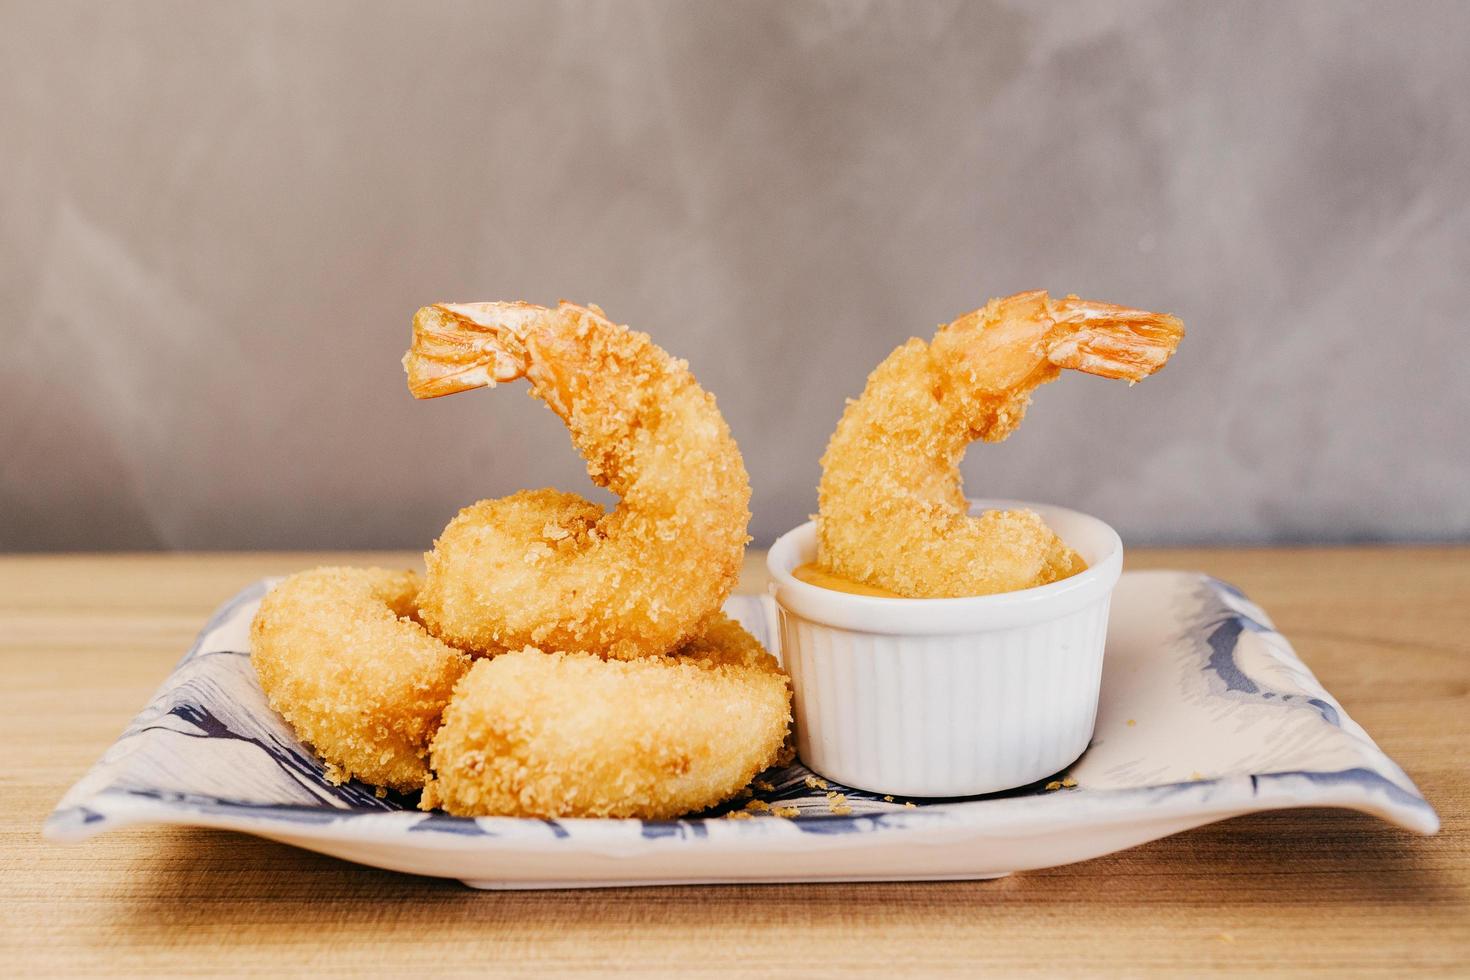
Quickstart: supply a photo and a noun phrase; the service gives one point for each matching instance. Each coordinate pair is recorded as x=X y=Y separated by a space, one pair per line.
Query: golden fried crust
x=534 y=734
x=537 y=568
x=552 y=570
x=891 y=510
x=907 y=528
x=364 y=684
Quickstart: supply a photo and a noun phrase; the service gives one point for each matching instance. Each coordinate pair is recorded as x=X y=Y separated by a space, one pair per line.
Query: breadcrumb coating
x=534 y=734
x=552 y=570
x=341 y=660
x=891 y=509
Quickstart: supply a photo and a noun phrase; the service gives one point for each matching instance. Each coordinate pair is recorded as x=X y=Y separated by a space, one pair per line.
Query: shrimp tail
x=1110 y=341
x=461 y=346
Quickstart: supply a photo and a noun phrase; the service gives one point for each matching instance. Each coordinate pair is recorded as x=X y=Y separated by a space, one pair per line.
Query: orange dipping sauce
x=814 y=574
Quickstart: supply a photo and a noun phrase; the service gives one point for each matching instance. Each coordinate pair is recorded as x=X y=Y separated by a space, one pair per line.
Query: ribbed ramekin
x=947 y=697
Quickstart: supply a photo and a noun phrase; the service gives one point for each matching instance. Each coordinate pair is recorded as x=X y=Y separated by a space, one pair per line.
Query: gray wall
x=218 y=219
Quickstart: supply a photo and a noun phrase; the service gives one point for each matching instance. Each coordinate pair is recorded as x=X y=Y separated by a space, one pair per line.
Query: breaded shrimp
x=552 y=570
x=365 y=685
x=532 y=734
x=891 y=512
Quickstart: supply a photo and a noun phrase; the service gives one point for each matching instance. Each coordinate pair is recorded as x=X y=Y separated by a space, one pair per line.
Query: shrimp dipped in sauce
x=891 y=512
x=553 y=570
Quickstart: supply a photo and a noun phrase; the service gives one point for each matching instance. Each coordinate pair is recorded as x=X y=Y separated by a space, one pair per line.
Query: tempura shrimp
x=342 y=661
x=891 y=512
x=534 y=734
x=552 y=570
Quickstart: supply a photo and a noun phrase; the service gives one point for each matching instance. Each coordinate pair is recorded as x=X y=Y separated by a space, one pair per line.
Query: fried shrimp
x=552 y=570
x=534 y=734
x=340 y=659
x=891 y=512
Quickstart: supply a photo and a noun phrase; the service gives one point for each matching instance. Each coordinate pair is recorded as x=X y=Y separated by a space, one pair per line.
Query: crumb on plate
x=837 y=803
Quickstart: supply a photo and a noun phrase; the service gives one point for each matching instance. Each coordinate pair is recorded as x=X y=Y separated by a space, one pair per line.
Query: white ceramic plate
x=1206 y=714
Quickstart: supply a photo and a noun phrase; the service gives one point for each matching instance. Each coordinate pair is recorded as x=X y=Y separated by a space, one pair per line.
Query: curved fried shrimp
x=552 y=570
x=341 y=661
x=534 y=734
x=891 y=510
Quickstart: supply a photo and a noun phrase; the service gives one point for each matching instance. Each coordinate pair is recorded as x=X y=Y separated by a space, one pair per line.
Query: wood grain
x=84 y=640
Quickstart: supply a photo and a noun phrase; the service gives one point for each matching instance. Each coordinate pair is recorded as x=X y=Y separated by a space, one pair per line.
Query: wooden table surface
x=84 y=641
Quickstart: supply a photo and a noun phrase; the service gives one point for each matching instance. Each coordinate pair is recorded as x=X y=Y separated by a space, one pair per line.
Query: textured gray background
x=218 y=219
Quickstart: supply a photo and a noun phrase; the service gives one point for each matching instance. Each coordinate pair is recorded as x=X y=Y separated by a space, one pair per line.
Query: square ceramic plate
x=1206 y=714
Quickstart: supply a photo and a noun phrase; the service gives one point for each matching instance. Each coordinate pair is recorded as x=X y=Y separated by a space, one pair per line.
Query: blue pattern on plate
x=209 y=745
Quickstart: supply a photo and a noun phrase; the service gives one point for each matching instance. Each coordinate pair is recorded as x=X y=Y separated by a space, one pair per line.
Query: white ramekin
x=947 y=697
